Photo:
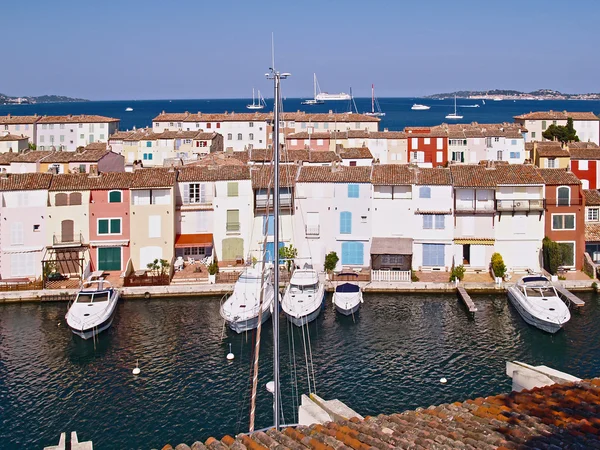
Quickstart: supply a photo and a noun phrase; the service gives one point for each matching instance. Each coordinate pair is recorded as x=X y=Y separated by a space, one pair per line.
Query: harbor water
x=388 y=358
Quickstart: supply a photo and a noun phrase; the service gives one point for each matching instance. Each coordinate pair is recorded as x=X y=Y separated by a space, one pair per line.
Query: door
x=270 y=253
x=467 y=254
x=109 y=258
x=233 y=248
x=67 y=233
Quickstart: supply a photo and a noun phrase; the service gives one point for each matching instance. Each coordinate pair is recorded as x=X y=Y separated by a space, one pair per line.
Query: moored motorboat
x=241 y=309
x=347 y=296
x=537 y=301
x=418 y=107
x=303 y=297
x=93 y=309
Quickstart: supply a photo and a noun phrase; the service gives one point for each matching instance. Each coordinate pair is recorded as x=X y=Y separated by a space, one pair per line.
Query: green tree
x=331 y=260
x=159 y=267
x=288 y=254
x=498 y=266
x=561 y=133
x=32 y=146
x=553 y=255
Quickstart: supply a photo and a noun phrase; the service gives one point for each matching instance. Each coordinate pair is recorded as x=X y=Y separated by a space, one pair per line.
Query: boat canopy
x=347 y=274
x=302 y=277
x=347 y=288
x=534 y=279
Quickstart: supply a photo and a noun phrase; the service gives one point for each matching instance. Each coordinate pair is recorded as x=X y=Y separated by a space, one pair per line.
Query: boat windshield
x=92 y=298
x=540 y=292
x=249 y=279
x=303 y=289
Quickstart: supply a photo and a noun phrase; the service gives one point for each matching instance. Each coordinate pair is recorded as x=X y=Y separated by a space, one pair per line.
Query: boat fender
x=147 y=295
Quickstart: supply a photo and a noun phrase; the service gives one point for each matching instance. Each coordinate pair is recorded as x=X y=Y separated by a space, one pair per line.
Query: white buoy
x=443 y=380
x=230 y=355
x=270 y=386
x=136 y=370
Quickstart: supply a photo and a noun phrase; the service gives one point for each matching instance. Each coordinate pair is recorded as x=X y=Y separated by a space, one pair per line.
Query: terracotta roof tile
x=392 y=175
x=8 y=157
x=553 y=152
x=322 y=157
x=86 y=182
x=221 y=159
x=356 y=153
x=437 y=176
x=335 y=174
x=262 y=176
x=472 y=176
x=213 y=173
x=515 y=174
x=83 y=118
x=592 y=232
x=299 y=116
x=32 y=156
x=96 y=146
x=592 y=197
x=305 y=135
x=153 y=178
x=10 y=119
x=73 y=157
x=558 y=176
x=589 y=153
x=24 y=181
x=13 y=137
x=557 y=115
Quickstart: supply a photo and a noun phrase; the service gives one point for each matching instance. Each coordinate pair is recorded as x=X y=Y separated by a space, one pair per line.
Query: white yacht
x=537 y=301
x=418 y=107
x=240 y=310
x=303 y=297
x=129 y=109
x=93 y=309
x=454 y=115
x=347 y=296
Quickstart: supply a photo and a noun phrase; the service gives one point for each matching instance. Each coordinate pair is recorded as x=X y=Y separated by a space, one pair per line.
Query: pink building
x=109 y=220
x=304 y=140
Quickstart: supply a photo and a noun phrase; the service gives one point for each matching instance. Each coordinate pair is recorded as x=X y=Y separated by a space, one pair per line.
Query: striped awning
x=474 y=241
x=441 y=212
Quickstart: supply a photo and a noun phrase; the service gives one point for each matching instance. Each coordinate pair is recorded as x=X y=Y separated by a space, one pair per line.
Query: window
x=563 y=221
x=147 y=156
x=583 y=165
x=239 y=138
x=61 y=199
x=325 y=125
x=427 y=141
x=115 y=197
x=154 y=226
x=194 y=193
x=352 y=253
x=592 y=214
x=208 y=125
x=353 y=163
x=415 y=143
x=268 y=225
x=434 y=221
x=36 y=228
x=170 y=124
x=16 y=233
x=62 y=138
x=44 y=126
x=440 y=143
x=218 y=125
x=496 y=139
x=82 y=136
x=439 y=157
x=42 y=138
x=178 y=124
x=229 y=136
x=232 y=189
x=440 y=222
x=101 y=137
x=345 y=222
x=424 y=192
x=551 y=163
x=563 y=196
x=533 y=135
x=513 y=142
x=148 y=143
x=554 y=122
x=515 y=155
x=233 y=220
x=251 y=124
x=543 y=125
x=109 y=226
x=427 y=222
x=353 y=190
x=433 y=255
x=75 y=198
x=251 y=137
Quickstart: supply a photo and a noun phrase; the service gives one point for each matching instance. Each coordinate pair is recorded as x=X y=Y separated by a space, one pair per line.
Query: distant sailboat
x=374 y=104
x=352 y=109
x=483 y=101
x=313 y=101
x=258 y=104
x=454 y=115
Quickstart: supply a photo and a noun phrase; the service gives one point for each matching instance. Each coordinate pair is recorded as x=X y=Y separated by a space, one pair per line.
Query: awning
x=391 y=246
x=110 y=243
x=21 y=249
x=194 y=240
x=438 y=212
x=475 y=241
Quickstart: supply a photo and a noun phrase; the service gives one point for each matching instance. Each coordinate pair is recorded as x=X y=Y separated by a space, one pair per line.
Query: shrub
x=413 y=276
x=595 y=286
x=288 y=254
x=553 y=255
x=331 y=260
x=498 y=266
x=458 y=273
x=213 y=267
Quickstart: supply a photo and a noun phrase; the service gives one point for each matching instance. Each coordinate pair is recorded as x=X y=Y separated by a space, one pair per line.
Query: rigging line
x=312 y=366
x=291 y=362
x=294 y=372
x=305 y=355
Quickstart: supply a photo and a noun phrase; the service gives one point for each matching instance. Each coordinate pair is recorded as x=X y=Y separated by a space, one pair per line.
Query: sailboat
x=352 y=109
x=325 y=96
x=313 y=101
x=374 y=104
x=454 y=115
x=259 y=103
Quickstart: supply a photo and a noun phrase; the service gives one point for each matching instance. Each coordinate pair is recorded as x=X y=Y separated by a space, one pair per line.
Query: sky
x=133 y=49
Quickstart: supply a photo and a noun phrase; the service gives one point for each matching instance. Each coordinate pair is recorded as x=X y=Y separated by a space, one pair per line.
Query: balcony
x=473 y=207
x=564 y=202
x=67 y=240
x=232 y=227
x=525 y=205
x=312 y=230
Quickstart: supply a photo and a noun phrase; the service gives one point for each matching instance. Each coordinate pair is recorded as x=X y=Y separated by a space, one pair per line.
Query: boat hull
x=347 y=311
x=543 y=325
x=89 y=333
x=251 y=323
x=303 y=320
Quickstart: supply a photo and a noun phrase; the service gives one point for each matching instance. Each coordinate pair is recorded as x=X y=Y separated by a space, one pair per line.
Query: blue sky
x=221 y=49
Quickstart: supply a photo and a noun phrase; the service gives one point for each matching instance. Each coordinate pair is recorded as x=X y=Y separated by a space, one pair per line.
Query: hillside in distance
x=509 y=94
x=9 y=100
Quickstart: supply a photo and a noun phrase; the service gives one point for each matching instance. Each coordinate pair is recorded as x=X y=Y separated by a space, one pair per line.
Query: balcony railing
x=74 y=239
x=564 y=202
x=525 y=205
x=473 y=207
x=312 y=230
x=232 y=226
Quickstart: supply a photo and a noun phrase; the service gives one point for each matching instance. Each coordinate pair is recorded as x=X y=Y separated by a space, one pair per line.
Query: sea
x=397 y=110
x=388 y=358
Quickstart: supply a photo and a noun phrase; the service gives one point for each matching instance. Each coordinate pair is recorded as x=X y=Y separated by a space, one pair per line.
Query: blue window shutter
x=345 y=252
x=427 y=222
x=353 y=190
x=359 y=253
x=345 y=222
x=440 y=222
x=424 y=192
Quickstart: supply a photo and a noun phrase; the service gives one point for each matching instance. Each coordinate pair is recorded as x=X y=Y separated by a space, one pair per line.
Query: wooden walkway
x=568 y=296
x=466 y=298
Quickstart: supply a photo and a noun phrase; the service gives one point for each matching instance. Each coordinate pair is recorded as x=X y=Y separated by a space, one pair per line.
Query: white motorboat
x=418 y=107
x=129 y=109
x=257 y=102
x=537 y=301
x=375 y=108
x=347 y=296
x=93 y=309
x=476 y=105
x=454 y=115
x=241 y=309
x=303 y=297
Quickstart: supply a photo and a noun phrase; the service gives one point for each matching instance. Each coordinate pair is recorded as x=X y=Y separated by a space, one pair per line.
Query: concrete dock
x=466 y=298
x=568 y=296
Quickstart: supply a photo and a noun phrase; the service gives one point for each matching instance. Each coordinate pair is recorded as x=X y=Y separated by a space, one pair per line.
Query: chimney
x=4 y=174
x=93 y=171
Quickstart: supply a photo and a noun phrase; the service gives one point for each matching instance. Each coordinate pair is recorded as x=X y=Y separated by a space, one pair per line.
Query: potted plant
x=213 y=269
x=498 y=267
x=457 y=274
x=331 y=260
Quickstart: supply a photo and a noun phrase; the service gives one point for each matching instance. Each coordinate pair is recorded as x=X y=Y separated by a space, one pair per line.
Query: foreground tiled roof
x=356 y=153
x=299 y=116
x=262 y=176
x=32 y=156
x=213 y=173
x=96 y=146
x=13 y=137
x=552 y=417
x=72 y=157
x=592 y=197
x=392 y=175
x=153 y=178
x=592 y=232
x=437 y=176
x=472 y=176
x=87 y=182
x=553 y=152
x=557 y=115
x=83 y=118
x=558 y=176
x=221 y=159
x=24 y=181
x=589 y=153
x=335 y=174
x=515 y=174
x=10 y=119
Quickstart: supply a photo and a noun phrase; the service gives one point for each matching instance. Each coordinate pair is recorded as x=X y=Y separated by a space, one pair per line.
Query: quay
x=568 y=296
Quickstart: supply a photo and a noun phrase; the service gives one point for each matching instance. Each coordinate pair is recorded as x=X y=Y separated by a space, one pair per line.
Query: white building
x=20 y=125
x=13 y=143
x=70 y=132
x=586 y=124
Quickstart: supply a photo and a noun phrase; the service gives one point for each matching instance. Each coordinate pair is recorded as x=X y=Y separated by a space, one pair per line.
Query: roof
x=31 y=156
x=299 y=116
x=262 y=176
x=552 y=151
x=73 y=157
x=392 y=175
x=156 y=177
x=96 y=146
x=472 y=176
x=13 y=137
x=220 y=159
x=515 y=174
x=589 y=153
x=10 y=119
x=558 y=176
x=335 y=174
x=552 y=417
x=83 y=118
x=437 y=176
x=24 y=181
x=592 y=197
x=305 y=135
x=356 y=153
x=87 y=182
x=592 y=232
x=557 y=115
x=213 y=173
x=391 y=246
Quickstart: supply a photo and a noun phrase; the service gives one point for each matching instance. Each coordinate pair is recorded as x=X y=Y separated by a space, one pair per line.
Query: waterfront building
x=24 y=219
x=70 y=132
x=586 y=124
x=359 y=156
x=565 y=214
x=20 y=125
x=26 y=162
x=152 y=216
x=592 y=223
x=333 y=213
x=585 y=163
x=81 y=161
x=427 y=146
x=13 y=143
x=305 y=140
x=293 y=122
x=549 y=154
x=387 y=147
